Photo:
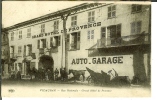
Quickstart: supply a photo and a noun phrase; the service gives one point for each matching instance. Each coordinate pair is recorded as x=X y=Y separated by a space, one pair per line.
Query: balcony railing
x=137 y=39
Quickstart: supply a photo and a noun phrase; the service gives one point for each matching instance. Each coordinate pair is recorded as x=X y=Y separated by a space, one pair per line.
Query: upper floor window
x=42 y=28
x=136 y=8
x=11 y=51
x=12 y=36
x=19 y=50
x=136 y=27
x=91 y=16
x=55 y=41
x=41 y=43
x=73 y=20
x=29 y=32
x=111 y=11
x=20 y=34
x=75 y=40
x=90 y=34
x=114 y=33
x=56 y=25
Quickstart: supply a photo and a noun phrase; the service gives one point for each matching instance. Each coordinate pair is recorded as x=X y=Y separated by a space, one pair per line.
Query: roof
x=54 y=14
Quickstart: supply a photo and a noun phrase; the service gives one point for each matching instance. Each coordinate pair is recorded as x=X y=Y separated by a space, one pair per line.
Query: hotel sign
x=96 y=24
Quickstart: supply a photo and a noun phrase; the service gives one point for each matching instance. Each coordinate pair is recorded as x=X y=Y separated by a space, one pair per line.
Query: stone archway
x=46 y=65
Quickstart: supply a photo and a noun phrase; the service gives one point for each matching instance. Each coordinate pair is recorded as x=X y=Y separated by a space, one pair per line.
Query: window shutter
x=118 y=29
x=109 y=12
x=88 y=35
x=108 y=32
x=68 y=41
x=103 y=32
x=133 y=28
x=78 y=40
x=44 y=44
x=38 y=44
x=138 y=25
x=24 y=54
x=30 y=49
x=92 y=34
x=59 y=39
x=51 y=41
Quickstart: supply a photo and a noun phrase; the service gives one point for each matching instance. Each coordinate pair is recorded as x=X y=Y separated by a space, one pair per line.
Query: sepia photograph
x=76 y=49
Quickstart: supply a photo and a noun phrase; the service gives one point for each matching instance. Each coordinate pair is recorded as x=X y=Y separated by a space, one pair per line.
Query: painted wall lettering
x=99 y=60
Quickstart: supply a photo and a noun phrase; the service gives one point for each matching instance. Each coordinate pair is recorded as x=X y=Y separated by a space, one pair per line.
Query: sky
x=14 y=12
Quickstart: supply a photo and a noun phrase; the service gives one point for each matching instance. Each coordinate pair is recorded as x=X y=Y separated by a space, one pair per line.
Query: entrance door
x=27 y=67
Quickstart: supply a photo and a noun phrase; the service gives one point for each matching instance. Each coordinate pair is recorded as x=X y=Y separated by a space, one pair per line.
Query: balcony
x=131 y=40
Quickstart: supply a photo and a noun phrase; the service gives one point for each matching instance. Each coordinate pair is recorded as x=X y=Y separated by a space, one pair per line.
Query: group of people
x=43 y=74
x=48 y=75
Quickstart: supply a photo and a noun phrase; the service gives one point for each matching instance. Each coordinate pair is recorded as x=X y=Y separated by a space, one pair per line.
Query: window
x=112 y=11
x=42 y=28
x=27 y=50
x=20 y=34
x=55 y=41
x=136 y=8
x=74 y=21
x=29 y=32
x=114 y=33
x=103 y=32
x=12 y=36
x=75 y=40
x=41 y=43
x=136 y=27
x=56 y=25
x=90 y=34
x=19 y=50
x=11 y=51
x=91 y=16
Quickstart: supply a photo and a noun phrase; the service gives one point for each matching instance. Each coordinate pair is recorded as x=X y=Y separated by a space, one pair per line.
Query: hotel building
x=100 y=36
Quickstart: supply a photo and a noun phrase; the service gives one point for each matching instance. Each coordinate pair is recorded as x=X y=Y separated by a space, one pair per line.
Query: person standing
x=56 y=74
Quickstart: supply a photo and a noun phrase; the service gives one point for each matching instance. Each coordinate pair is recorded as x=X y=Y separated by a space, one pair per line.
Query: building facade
x=5 y=54
x=99 y=36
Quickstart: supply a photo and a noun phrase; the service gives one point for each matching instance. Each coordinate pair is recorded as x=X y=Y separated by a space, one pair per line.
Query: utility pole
x=64 y=17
